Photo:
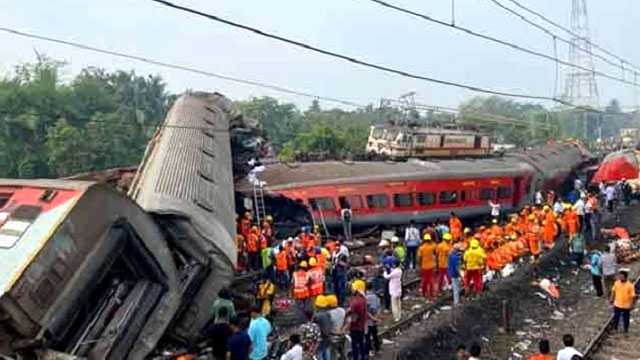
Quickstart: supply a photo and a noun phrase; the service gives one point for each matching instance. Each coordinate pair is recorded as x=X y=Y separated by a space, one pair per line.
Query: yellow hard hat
x=467 y=230
x=303 y=264
x=254 y=229
x=332 y=300
x=447 y=236
x=495 y=221
x=321 y=301
x=269 y=218
x=316 y=227
x=313 y=262
x=474 y=243
x=426 y=237
x=532 y=217
x=545 y=208
x=358 y=285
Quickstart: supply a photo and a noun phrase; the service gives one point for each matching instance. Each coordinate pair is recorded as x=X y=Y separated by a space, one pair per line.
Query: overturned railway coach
x=380 y=193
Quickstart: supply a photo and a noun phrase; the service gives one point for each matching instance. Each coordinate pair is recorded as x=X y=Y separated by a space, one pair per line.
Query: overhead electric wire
x=364 y=63
x=552 y=34
x=500 y=41
x=180 y=67
x=546 y=19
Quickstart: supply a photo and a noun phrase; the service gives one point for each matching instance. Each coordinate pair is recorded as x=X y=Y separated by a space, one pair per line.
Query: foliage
x=100 y=119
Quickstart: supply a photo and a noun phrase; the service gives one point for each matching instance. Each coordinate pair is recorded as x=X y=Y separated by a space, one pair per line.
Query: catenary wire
x=570 y=32
x=552 y=34
x=364 y=63
x=509 y=44
x=180 y=67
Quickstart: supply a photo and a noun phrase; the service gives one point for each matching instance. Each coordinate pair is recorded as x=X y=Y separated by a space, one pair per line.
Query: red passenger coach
x=424 y=191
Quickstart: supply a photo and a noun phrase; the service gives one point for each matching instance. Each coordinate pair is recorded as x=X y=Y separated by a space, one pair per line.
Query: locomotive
x=389 y=193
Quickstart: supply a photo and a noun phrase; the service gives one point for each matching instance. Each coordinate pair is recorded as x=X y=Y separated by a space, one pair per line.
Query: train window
x=352 y=202
x=420 y=139
x=486 y=194
x=426 y=198
x=377 y=201
x=402 y=200
x=504 y=192
x=448 y=197
x=377 y=133
x=322 y=203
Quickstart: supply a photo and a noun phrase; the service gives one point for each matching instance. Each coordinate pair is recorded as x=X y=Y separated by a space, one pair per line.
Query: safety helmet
x=426 y=237
x=358 y=285
x=313 y=262
x=395 y=239
x=254 y=229
x=303 y=264
x=316 y=227
x=474 y=244
x=494 y=221
x=321 y=301
x=545 y=208
x=532 y=217
x=318 y=250
x=269 y=218
x=383 y=243
x=447 y=236
x=467 y=230
x=332 y=300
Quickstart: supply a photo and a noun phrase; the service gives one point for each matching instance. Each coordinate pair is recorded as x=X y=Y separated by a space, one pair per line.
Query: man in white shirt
x=568 y=351
x=295 y=350
x=539 y=198
x=579 y=207
x=411 y=241
x=610 y=195
x=495 y=210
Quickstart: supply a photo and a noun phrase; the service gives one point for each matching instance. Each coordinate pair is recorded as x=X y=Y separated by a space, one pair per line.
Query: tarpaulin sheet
x=617 y=166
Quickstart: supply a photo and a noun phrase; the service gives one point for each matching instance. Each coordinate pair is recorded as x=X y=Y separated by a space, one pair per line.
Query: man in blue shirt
x=596 y=271
x=259 y=330
x=454 y=272
x=239 y=344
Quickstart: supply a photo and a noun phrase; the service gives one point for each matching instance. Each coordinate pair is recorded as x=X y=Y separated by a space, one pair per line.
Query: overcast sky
x=355 y=27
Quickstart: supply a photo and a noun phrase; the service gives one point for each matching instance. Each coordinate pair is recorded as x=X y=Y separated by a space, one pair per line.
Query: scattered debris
x=557 y=315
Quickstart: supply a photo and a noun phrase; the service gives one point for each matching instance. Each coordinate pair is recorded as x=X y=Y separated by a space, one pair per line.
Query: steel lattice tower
x=580 y=85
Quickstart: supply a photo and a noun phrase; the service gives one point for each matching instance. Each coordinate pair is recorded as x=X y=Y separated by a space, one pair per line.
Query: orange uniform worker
x=474 y=259
x=443 y=250
x=455 y=226
x=496 y=229
x=252 y=248
x=533 y=236
x=267 y=228
x=316 y=278
x=245 y=225
x=426 y=259
x=301 y=286
x=571 y=219
x=282 y=268
x=240 y=245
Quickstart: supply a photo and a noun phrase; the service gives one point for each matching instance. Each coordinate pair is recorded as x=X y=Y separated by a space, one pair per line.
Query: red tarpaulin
x=617 y=166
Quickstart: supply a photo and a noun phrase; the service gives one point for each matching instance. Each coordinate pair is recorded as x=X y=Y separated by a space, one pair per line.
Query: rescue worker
x=399 y=251
x=240 y=248
x=301 y=287
x=266 y=254
x=455 y=226
x=496 y=229
x=443 y=250
x=426 y=259
x=245 y=224
x=267 y=228
x=252 y=249
x=305 y=237
x=571 y=220
x=316 y=237
x=265 y=292
x=474 y=259
x=282 y=268
x=316 y=279
x=533 y=235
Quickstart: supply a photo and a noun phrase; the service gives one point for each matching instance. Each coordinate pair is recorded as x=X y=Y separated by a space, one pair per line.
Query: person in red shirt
x=544 y=347
x=356 y=320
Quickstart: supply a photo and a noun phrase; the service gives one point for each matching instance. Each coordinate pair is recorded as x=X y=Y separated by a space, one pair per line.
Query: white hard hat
x=383 y=243
x=395 y=239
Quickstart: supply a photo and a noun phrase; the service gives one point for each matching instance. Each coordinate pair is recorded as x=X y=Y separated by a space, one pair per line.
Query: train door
x=477 y=143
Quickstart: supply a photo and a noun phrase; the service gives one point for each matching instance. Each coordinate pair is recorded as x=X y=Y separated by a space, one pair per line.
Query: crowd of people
x=314 y=271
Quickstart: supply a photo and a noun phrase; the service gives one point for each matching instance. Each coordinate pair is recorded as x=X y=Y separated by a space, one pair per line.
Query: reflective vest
x=263 y=242
x=245 y=227
x=331 y=246
x=455 y=225
x=300 y=289
x=281 y=260
x=252 y=243
x=317 y=281
x=534 y=239
x=322 y=260
x=305 y=238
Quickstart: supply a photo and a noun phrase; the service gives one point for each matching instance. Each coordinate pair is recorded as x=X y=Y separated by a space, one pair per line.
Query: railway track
x=610 y=345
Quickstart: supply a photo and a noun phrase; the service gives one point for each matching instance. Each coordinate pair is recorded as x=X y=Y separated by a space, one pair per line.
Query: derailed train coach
x=87 y=271
x=391 y=193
